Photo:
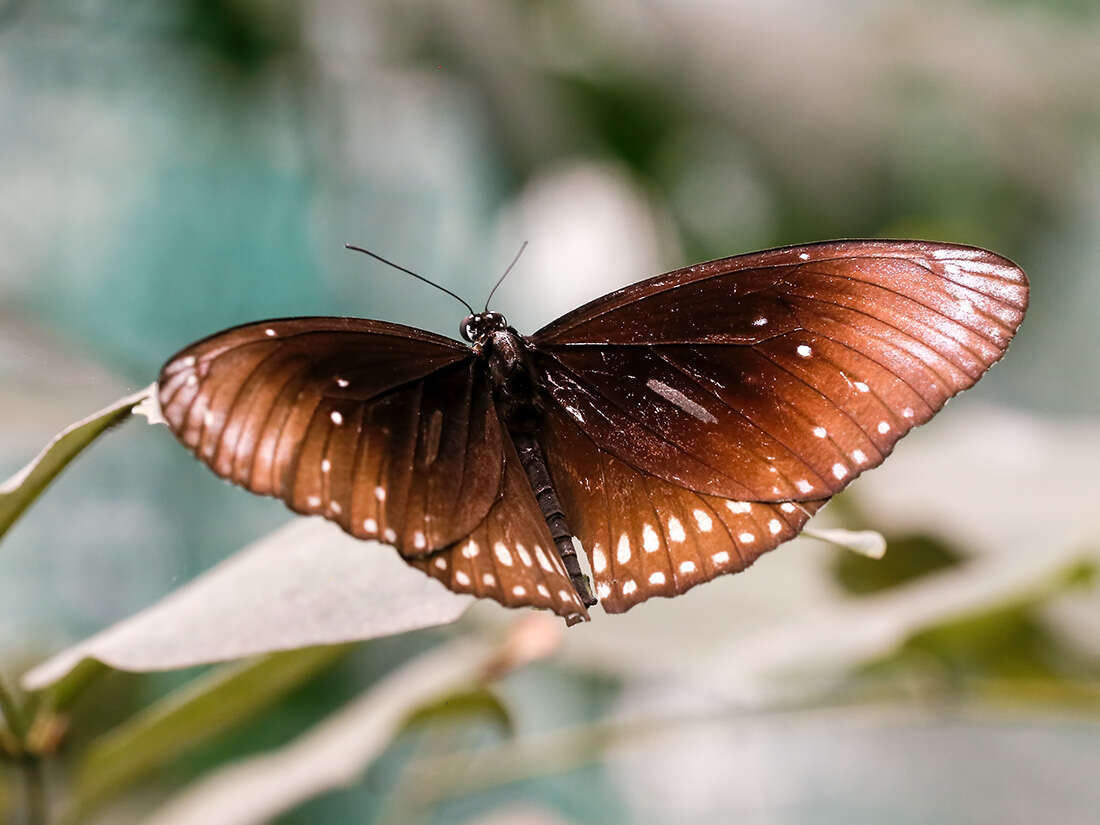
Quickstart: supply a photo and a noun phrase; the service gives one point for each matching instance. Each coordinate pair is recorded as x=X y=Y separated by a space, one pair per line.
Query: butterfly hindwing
x=386 y=430
x=780 y=375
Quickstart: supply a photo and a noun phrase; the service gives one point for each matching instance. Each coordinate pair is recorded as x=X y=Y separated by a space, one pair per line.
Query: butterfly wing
x=646 y=537
x=780 y=375
x=387 y=430
x=510 y=557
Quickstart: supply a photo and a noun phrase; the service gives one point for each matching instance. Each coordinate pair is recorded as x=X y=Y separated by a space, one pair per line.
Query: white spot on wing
x=489 y=579
x=599 y=560
x=884 y=427
x=341 y=382
x=441 y=563
x=389 y=535
x=313 y=501
x=524 y=556
x=544 y=562
x=839 y=470
x=543 y=591
x=820 y=432
x=519 y=590
x=676 y=529
x=859 y=456
x=462 y=578
x=657 y=578
x=721 y=557
x=337 y=418
x=803 y=485
x=269 y=332
x=739 y=507
x=502 y=554
x=759 y=322
x=470 y=549
x=775 y=526
x=380 y=493
x=650 y=542
x=859 y=385
x=804 y=350
x=687 y=567
x=603 y=590
x=703 y=520
x=326 y=465
x=907 y=412
x=335 y=507
x=674 y=396
x=629 y=586
x=622 y=552
x=419 y=541
x=747 y=538
x=370 y=525
x=804 y=256
x=787 y=507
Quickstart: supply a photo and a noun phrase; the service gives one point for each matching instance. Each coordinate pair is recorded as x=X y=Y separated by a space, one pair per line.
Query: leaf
x=478 y=701
x=205 y=707
x=338 y=750
x=20 y=491
x=305 y=584
x=869 y=543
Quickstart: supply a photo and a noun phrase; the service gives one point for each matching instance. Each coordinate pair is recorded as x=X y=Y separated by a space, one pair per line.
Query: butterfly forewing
x=386 y=430
x=780 y=375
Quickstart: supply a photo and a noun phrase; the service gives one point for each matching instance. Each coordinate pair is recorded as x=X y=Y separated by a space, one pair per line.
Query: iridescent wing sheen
x=510 y=556
x=386 y=430
x=781 y=375
x=647 y=537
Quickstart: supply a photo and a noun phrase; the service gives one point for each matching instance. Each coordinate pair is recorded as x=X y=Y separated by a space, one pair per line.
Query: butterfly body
x=679 y=428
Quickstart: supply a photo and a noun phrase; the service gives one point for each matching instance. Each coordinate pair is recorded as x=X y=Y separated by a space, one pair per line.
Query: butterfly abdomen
x=515 y=390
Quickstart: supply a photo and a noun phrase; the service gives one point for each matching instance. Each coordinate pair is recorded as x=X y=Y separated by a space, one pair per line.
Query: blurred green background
x=171 y=168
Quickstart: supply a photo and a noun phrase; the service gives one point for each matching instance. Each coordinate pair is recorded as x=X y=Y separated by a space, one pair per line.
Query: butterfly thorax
x=515 y=386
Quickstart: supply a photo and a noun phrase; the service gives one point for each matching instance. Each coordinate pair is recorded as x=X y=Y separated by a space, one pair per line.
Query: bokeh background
x=171 y=168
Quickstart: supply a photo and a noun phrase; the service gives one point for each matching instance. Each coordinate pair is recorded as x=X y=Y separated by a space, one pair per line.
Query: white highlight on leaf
x=629 y=586
x=721 y=557
x=502 y=554
x=676 y=529
x=622 y=552
x=703 y=520
x=650 y=541
x=337 y=418
x=470 y=549
x=839 y=470
x=657 y=578
x=674 y=396
x=804 y=350
x=687 y=566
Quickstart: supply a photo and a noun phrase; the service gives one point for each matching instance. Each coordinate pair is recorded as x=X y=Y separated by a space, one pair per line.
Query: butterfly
x=678 y=428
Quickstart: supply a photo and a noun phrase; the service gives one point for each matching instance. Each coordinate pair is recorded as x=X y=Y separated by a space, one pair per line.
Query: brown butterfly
x=679 y=427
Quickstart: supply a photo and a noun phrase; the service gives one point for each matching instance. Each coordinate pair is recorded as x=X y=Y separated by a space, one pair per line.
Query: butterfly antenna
x=500 y=280
x=410 y=272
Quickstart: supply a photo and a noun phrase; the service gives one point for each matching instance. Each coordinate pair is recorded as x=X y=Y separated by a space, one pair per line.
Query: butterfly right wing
x=387 y=430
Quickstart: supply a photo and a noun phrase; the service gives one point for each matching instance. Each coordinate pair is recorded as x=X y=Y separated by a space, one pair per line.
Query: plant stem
x=30 y=764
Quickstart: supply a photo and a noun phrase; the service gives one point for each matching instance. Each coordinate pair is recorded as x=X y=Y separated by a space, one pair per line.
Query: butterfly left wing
x=780 y=375
x=646 y=537
x=387 y=430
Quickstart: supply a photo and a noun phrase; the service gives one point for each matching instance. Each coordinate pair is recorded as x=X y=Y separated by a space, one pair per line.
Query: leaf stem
x=30 y=764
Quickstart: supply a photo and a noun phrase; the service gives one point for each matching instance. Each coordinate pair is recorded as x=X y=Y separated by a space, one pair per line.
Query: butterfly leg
x=534 y=464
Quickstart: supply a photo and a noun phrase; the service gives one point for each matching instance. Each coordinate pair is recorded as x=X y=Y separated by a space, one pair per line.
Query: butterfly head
x=474 y=328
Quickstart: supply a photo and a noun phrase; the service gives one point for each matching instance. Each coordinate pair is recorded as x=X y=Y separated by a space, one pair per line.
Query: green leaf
x=213 y=703
x=478 y=701
x=304 y=585
x=20 y=491
x=337 y=751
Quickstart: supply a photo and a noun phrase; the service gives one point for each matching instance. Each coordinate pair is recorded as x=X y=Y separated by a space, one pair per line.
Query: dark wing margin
x=386 y=430
x=781 y=375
